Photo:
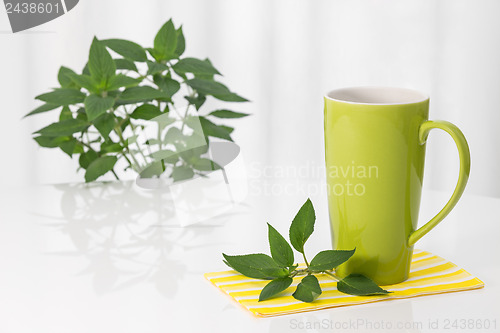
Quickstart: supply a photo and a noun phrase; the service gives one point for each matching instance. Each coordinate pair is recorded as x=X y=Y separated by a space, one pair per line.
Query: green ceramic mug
x=375 y=151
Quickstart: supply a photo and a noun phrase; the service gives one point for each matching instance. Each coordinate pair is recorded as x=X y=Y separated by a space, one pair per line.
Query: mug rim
x=376 y=95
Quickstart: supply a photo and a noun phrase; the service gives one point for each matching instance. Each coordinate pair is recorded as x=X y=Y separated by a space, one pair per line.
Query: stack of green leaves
x=280 y=267
x=102 y=109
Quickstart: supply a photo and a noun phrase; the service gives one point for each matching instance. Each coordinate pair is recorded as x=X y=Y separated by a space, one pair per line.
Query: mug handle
x=464 y=154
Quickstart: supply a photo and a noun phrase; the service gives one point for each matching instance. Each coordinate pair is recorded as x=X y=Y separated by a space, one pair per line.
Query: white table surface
x=111 y=258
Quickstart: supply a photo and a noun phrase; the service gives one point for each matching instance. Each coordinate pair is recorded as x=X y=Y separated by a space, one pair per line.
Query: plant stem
x=128 y=161
x=159 y=137
x=300 y=272
x=132 y=126
x=114 y=173
x=185 y=116
x=88 y=140
x=124 y=120
x=118 y=131
x=335 y=277
x=85 y=144
x=145 y=77
x=305 y=260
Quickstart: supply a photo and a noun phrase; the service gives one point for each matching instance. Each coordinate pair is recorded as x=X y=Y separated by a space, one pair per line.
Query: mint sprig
x=280 y=267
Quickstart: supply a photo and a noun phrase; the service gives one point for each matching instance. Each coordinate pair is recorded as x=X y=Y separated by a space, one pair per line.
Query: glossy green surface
x=375 y=162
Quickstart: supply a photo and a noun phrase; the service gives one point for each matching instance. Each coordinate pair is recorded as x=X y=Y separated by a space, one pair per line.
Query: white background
x=283 y=55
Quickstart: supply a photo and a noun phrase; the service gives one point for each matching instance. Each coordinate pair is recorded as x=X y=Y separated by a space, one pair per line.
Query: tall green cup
x=375 y=152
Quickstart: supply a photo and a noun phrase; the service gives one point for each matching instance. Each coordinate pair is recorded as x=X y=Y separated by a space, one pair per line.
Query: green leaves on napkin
x=280 y=267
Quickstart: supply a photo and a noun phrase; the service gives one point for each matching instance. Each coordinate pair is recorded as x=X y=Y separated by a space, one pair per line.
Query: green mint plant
x=141 y=107
x=280 y=267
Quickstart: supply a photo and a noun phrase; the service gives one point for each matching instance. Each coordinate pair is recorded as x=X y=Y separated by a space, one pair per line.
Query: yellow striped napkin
x=429 y=274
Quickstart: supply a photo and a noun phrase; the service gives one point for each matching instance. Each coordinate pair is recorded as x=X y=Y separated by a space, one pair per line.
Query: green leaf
x=111 y=147
x=146 y=112
x=256 y=266
x=122 y=81
x=85 y=70
x=170 y=86
x=99 y=167
x=63 y=78
x=205 y=164
x=78 y=148
x=230 y=97
x=211 y=129
x=43 y=108
x=192 y=155
x=163 y=121
x=127 y=49
x=156 y=67
x=182 y=173
x=153 y=141
x=228 y=114
x=181 y=42
x=125 y=64
x=154 y=169
x=154 y=53
x=196 y=101
x=87 y=158
x=308 y=289
x=228 y=129
x=195 y=66
x=206 y=76
x=64 y=128
x=173 y=134
x=185 y=153
x=302 y=226
x=216 y=89
x=50 y=141
x=227 y=264
x=84 y=81
x=65 y=113
x=275 y=287
x=165 y=43
x=208 y=87
x=96 y=105
x=62 y=96
x=130 y=140
x=125 y=123
x=142 y=93
x=101 y=65
x=329 y=259
x=360 y=285
x=167 y=85
x=105 y=124
x=81 y=115
x=281 y=251
x=68 y=146
x=167 y=155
